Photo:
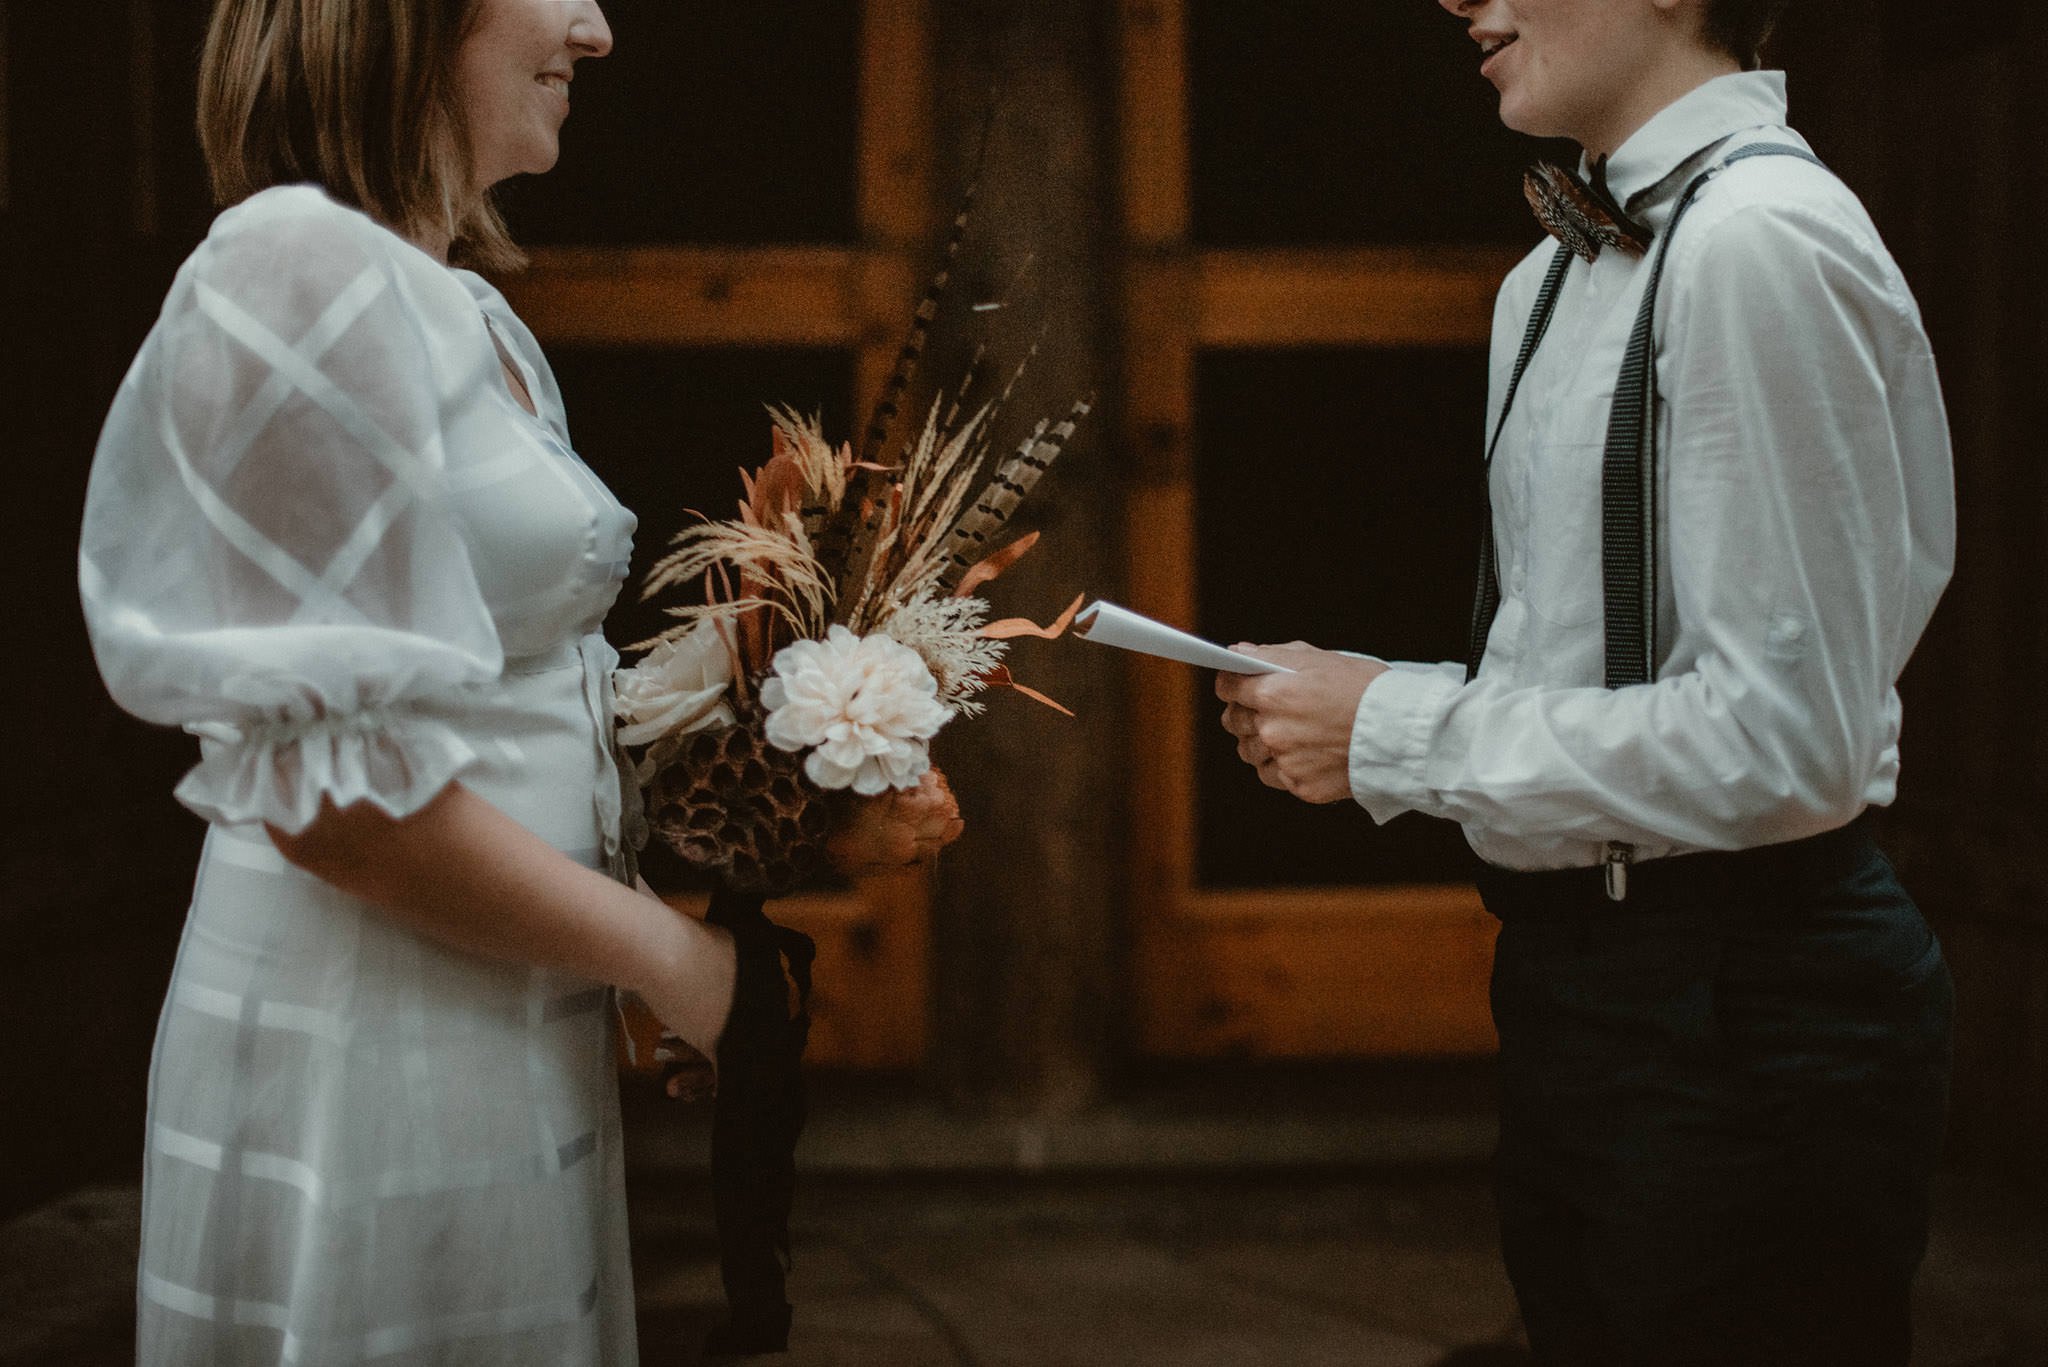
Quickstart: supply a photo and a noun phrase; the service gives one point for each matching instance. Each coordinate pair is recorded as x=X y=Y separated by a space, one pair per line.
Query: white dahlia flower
x=864 y=706
x=675 y=689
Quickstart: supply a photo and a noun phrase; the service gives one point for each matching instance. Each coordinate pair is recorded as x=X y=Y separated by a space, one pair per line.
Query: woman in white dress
x=336 y=529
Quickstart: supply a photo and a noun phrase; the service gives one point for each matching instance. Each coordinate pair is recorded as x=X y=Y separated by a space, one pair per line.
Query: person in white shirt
x=1724 y=1026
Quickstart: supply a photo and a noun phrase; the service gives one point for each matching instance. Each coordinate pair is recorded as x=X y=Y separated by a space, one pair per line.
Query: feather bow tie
x=1584 y=217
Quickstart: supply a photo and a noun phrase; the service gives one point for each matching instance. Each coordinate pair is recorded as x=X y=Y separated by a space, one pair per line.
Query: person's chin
x=541 y=158
x=1524 y=116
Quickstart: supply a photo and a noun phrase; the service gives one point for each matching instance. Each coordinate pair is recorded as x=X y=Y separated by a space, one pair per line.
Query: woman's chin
x=534 y=159
x=541 y=157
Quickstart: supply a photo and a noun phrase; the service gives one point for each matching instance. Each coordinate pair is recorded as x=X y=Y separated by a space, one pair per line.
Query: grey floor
x=1371 y=1271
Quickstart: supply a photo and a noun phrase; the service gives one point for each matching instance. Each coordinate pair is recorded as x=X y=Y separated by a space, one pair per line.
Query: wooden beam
x=835 y=296
x=888 y=289
x=1029 y=967
x=1152 y=37
x=1363 y=297
x=1162 y=303
x=1391 y=905
x=1159 y=547
x=1324 y=974
x=894 y=175
x=699 y=296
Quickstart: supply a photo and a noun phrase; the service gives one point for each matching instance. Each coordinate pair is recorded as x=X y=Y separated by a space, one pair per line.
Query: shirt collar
x=1690 y=125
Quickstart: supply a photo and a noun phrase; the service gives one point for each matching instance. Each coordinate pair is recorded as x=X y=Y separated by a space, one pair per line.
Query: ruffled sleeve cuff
x=1391 y=735
x=280 y=772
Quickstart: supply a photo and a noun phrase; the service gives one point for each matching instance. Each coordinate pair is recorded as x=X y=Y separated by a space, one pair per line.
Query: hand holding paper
x=1295 y=728
x=1107 y=624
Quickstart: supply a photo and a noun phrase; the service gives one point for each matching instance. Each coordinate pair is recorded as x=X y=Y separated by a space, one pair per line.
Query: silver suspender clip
x=1619 y=856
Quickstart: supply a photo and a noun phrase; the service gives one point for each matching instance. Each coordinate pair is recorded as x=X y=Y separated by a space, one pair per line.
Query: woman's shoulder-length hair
x=359 y=96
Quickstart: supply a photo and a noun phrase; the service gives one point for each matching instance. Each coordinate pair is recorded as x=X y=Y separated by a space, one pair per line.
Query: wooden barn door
x=1308 y=299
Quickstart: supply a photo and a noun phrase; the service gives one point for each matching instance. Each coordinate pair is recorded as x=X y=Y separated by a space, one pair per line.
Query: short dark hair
x=1742 y=27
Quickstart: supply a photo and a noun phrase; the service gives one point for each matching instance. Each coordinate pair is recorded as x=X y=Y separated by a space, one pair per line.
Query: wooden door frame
x=855 y=297
x=1265 y=972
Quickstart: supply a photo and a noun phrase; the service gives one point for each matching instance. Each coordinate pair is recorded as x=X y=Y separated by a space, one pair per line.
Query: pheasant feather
x=991 y=512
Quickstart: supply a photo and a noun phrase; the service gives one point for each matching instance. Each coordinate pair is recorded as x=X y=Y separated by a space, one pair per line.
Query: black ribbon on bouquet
x=760 y=1114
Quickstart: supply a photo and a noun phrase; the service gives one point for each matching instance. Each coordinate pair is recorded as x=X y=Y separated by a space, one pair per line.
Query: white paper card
x=1109 y=625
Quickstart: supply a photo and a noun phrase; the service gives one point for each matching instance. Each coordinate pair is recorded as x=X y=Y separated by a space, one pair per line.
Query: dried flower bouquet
x=839 y=629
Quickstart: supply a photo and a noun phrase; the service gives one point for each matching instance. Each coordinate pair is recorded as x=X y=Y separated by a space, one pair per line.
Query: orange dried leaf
x=1010 y=628
x=1038 y=697
x=1001 y=677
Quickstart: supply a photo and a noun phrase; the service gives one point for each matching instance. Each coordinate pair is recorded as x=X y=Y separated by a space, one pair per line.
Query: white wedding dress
x=323 y=536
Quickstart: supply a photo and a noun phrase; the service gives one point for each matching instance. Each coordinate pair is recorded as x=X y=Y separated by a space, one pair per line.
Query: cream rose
x=678 y=687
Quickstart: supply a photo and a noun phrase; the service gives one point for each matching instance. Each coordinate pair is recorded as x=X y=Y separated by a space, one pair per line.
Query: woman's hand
x=885 y=834
x=1296 y=728
x=897 y=828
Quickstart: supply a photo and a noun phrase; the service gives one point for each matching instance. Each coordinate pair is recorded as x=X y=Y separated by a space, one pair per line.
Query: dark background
x=740 y=130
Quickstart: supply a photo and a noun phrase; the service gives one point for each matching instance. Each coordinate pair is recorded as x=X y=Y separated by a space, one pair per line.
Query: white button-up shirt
x=1805 y=528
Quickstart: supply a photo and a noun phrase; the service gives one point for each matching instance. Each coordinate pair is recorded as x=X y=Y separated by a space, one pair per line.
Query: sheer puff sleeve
x=269 y=557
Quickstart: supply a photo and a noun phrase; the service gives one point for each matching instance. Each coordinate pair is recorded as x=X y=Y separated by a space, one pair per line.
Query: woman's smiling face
x=1562 y=65
x=513 y=74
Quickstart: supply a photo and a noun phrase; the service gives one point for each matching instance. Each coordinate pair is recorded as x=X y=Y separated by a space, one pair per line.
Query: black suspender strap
x=1628 y=481
x=1486 y=597
x=1628 y=477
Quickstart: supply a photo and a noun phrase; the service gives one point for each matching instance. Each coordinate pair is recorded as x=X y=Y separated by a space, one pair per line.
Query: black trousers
x=1722 y=1104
